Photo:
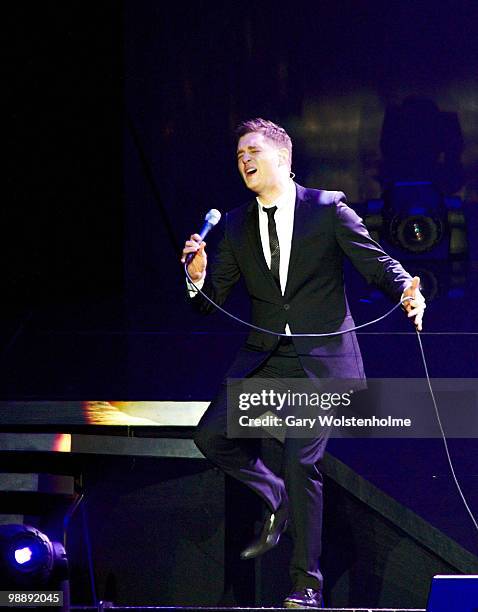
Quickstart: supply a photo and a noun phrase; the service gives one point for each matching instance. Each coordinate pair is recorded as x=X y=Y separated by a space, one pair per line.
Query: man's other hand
x=415 y=306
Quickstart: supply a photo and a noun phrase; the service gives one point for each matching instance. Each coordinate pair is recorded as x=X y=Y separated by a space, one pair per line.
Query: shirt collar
x=285 y=200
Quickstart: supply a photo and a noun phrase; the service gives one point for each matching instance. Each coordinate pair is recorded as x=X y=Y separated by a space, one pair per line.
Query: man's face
x=260 y=163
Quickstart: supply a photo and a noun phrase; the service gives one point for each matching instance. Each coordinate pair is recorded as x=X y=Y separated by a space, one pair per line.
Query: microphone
x=210 y=220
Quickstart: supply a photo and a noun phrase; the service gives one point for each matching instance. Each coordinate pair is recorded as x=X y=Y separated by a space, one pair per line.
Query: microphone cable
x=445 y=441
x=346 y=331
x=283 y=334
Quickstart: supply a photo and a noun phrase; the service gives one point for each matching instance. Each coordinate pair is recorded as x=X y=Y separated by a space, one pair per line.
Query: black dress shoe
x=304 y=598
x=274 y=526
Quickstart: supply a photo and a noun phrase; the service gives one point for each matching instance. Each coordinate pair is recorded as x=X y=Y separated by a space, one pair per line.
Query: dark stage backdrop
x=119 y=139
x=328 y=72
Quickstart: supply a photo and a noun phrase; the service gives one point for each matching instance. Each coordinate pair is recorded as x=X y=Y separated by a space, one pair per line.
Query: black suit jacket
x=325 y=230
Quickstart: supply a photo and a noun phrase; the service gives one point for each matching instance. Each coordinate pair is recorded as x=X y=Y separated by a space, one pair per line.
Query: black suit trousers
x=301 y=479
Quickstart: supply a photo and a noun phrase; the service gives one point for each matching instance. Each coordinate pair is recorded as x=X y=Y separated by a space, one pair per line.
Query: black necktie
x=274 y=244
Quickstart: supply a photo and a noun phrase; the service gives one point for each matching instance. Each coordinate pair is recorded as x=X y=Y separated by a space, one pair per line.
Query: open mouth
x=251 y=171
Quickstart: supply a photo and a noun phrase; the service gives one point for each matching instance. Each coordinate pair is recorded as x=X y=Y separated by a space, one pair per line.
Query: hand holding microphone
x=194 y=254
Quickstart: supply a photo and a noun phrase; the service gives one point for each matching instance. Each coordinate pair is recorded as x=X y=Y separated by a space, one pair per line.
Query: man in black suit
x=288 y=244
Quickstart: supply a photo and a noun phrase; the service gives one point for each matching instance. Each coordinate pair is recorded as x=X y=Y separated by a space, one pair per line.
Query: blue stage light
x=23 y=555
x=29 y=559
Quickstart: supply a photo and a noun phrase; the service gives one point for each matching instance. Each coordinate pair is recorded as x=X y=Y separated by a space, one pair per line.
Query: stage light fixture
x=28 y=559
x=416 y=233
x=418 y=223
x=415 y=215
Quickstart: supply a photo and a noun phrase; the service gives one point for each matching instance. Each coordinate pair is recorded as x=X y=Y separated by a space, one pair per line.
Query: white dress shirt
x=284 y=218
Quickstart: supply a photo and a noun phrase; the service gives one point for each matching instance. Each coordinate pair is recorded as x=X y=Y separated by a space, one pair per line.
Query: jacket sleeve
x=366 y=255
x=222 y=274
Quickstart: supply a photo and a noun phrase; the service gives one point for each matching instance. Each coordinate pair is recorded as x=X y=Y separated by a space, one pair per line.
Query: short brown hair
x=270 y=130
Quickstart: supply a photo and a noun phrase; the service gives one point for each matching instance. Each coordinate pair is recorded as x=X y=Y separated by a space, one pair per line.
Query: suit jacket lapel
x=300 y=226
